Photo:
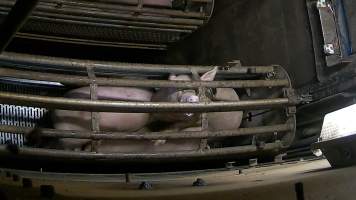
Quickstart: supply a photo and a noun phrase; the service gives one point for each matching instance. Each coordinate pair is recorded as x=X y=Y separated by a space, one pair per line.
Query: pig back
x=81 y=121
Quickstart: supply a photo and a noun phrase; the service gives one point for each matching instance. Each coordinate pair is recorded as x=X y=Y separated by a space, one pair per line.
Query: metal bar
x=67 y=63
x=116 y=26
x=90 y=42
x=135 y=9
x=15 y=20
x=138 y=157
x=85 y=81
x=95 y=116
x=54 y=16
x=139 y=107
x=102 y=135
x=110 y=15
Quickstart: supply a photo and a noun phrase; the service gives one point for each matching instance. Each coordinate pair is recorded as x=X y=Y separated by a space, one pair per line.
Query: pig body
x=134 y=122
x=131 y=146
x=221 y=121
x=116 y=122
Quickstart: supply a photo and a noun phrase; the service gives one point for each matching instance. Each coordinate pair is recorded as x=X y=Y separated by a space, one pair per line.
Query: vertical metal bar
x=204 y=119
x=204 y=116
x=95 y=117
x=15 y=20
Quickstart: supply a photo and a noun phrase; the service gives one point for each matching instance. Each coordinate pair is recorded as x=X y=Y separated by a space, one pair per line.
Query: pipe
x=77 y=64
x=135 y=9
x=58 y=17
x=15 y=20
x=53 y=133
x=85 y=81
x=137 y=157
x=139 y=107
x=113 y=15
x=91 y=42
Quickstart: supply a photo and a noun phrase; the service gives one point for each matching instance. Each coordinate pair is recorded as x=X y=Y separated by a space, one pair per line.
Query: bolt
x=271 y=75
x=199 y=183
x=145 y=186
x=230 y=165
x=329 y=49
x=321 y=4
x=253 y=162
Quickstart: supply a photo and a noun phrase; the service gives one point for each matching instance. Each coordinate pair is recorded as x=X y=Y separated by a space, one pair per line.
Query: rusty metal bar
x=15 y=20
x=66 y=63
x=112 y=15
x=140 y=107
x=91 y=42
x=101 y=14
x=58 y=17
x=95 y=116
x=135 y=9
x=138 y=157
x=85 y=81
x=101 y=135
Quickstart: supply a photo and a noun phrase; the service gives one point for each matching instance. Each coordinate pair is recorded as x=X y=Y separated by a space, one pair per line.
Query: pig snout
x=174 y=95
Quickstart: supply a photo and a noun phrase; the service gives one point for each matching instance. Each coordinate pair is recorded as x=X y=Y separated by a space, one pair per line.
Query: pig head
x=182 y=96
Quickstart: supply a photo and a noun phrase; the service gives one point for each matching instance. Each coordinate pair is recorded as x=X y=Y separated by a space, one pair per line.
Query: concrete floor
x=312 y=180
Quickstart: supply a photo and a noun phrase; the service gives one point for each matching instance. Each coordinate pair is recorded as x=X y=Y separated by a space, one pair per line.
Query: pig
x=217 y=121
x=180 y=120
x=78 y=120
x=81 y=121
x=221 y=121
x=131 y=146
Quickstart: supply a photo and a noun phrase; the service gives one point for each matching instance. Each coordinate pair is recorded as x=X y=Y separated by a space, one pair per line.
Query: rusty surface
x=139 y=157
x=16 y=59
x=85 y=81
x=140 y=107
x=53 y=133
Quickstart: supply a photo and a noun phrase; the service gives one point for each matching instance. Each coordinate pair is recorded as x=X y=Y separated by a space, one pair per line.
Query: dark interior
x=256 y=32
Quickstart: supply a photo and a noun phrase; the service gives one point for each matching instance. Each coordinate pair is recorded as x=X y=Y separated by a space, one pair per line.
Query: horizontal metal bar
x=91 y=42
x=15 y=20
x=139 y=107
x=53 y=133
x=67 y=63
x=137 y=157
x=117 y=15
x=58 y=17
x=85 y=81
x=135 y=9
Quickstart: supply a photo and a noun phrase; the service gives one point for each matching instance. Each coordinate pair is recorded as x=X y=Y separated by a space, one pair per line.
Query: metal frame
x=15 y=20
x=125 y=16
x=270 y=78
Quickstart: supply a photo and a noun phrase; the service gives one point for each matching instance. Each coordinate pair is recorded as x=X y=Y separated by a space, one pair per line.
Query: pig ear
x=210 y=75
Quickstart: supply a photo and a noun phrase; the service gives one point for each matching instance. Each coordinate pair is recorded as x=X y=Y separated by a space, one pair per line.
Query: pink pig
x=80 y=120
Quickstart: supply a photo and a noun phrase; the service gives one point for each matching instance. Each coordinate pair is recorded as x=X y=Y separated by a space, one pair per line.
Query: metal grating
x=111 y=23
x=21 y=116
